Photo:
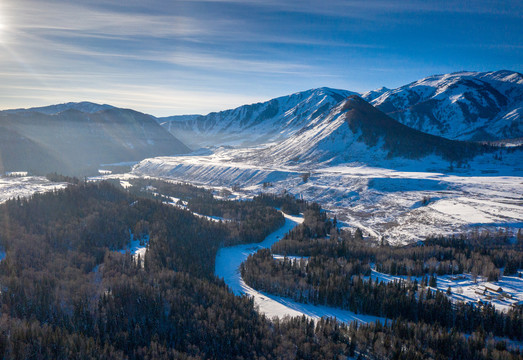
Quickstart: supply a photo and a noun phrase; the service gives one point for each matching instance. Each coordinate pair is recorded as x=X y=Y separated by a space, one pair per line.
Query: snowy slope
x=328 y=139
x=381 y=201
x=355 y=131
x=463 y=105
x=259 y=123
x=374 y=94
x=84 y=106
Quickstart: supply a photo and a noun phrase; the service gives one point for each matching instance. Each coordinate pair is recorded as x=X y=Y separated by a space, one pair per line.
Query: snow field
x=13 y=187
x=380 y=201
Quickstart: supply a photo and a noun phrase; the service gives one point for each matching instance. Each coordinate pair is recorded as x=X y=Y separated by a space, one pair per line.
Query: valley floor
x=401 y=206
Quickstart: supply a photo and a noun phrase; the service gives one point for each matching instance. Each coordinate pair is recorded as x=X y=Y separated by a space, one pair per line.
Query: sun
x=3 y=25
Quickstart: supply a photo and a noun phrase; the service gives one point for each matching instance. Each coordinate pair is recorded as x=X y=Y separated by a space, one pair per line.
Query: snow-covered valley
x=401 y=205
x=396 y=184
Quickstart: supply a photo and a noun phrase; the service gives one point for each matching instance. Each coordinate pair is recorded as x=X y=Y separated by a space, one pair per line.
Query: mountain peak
x=259 y=123
x=357 y=103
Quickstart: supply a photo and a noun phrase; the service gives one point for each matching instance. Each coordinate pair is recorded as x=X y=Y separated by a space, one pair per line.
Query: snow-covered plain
x=13 y=187
x=227 y=266
x=379 y=200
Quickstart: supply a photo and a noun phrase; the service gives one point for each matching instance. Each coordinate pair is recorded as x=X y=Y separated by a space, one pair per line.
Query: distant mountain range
x=413 y=121
x=79 y=136
x=462 y=106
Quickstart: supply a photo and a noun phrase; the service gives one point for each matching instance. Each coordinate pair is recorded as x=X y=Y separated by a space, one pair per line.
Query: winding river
x=227 y=266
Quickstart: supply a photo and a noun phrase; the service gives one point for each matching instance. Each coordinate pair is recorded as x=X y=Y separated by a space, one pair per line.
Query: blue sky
x=180 y=57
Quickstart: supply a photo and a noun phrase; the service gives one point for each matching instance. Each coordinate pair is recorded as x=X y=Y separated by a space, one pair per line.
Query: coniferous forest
x=67 y=293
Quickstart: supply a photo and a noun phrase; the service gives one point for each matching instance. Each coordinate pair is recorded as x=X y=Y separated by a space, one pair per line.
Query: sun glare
x=3 y=25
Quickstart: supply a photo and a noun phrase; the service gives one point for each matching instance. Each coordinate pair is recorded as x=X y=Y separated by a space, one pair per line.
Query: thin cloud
x=187 y=58
x=148 y=99
x=96 y=23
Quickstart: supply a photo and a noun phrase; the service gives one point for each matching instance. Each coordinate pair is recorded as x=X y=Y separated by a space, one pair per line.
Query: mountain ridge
x=257 y=123
x=83 y=106
x=465 y=105
x=356 y=131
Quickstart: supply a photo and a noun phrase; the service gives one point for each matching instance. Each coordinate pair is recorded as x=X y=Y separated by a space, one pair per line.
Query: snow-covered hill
x=355 y=131
x=255 y=124
x=84 y=106
x=462 y=105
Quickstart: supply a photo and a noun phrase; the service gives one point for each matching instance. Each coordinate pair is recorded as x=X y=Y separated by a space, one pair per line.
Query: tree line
x=336 y=262
x=479 y=253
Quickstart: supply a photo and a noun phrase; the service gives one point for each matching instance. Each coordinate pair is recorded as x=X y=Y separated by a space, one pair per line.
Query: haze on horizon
x=196 y=56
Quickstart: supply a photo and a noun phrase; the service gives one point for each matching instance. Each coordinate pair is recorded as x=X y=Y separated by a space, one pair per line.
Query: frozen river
x=227 y=266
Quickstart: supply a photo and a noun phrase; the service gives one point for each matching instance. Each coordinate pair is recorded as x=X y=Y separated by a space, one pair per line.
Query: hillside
x=73 y=140
x=20 y=153
x=355 y=131
x=255 y=124
x=463 y=105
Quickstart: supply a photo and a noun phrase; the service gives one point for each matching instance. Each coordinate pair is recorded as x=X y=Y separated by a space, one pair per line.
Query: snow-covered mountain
x=373 y=94
x=84 y=106
x=255 y=124
x=355 y=131
x=462 y=105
